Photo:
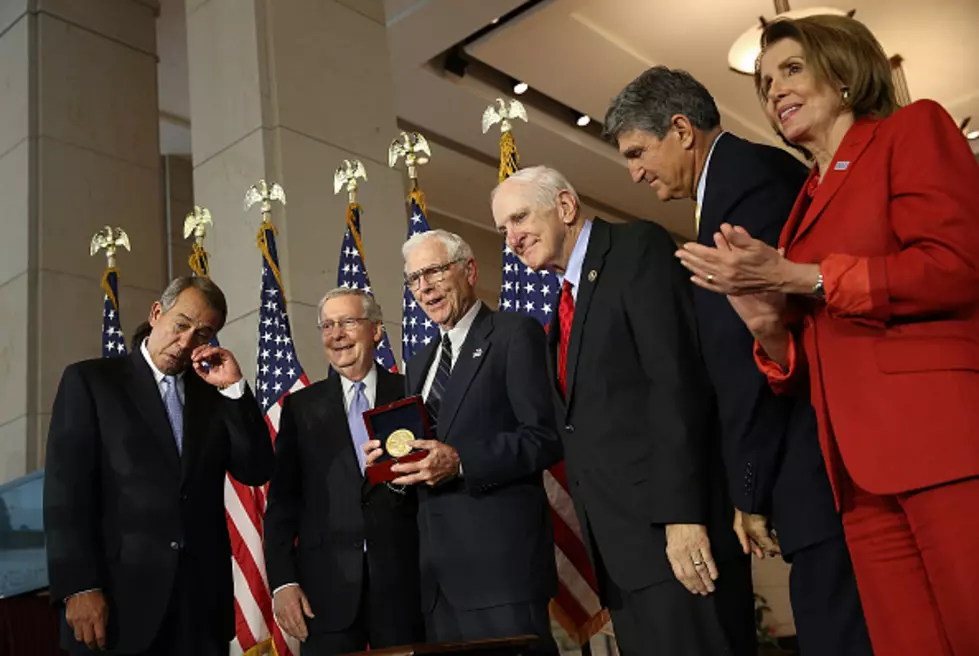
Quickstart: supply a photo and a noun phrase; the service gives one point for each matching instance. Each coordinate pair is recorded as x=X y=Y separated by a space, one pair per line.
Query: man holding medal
x=341 y=554
x=486 y=542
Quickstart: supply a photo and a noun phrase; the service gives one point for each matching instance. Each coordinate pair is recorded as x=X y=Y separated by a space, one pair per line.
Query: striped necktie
x=434 y=400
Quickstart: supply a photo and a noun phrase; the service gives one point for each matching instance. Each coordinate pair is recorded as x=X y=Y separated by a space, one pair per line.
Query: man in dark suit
x=487 y=546
x=668 y=128
x=628 y=381
x=341 y=554
x=138 y=449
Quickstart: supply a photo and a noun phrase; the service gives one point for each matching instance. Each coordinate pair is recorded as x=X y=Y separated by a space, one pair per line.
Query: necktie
x=565 y=313
x=355 y=419
x=696 y=219
x=175 y=411
x=434 y=400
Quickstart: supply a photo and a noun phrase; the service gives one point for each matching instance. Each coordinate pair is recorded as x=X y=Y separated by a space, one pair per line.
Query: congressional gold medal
x=397 y=442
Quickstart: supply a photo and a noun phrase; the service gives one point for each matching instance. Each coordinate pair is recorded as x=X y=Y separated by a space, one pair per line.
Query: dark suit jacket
x=486 y=538
x=319 y=496
x=771 y=445
x=122 y=507
x=638 y=422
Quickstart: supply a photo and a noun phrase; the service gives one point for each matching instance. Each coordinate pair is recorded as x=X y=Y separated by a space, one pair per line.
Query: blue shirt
x=573 y=273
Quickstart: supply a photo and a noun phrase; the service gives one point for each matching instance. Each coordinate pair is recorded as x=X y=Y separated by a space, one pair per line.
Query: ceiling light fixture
x=520 y=87
x=583 y=120
x=742 y=55
x=972 y=136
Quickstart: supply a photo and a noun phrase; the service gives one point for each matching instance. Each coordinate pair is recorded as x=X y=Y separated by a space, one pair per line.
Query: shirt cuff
x=235 y=390
x=81 y=592
x=283 y=587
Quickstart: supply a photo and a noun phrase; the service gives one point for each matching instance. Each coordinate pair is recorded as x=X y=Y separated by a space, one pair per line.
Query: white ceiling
x=581 y=53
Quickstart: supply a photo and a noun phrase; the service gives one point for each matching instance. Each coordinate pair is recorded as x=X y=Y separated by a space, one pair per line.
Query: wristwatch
x=817 y=289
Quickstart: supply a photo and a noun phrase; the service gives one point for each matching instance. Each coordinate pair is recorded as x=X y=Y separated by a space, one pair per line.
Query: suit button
x=569 y=428
x=175 y=545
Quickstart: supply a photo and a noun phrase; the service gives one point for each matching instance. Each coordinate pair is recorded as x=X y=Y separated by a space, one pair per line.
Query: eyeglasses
x=348 y=324
x=431 y=275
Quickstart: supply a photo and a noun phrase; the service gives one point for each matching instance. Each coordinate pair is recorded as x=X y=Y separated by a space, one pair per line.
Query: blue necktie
x=175 y=411
x=355 y=418
x=434 y=401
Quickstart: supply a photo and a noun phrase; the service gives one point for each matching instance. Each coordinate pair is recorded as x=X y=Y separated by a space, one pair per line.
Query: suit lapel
x=591 y=270
x=471 y=356
x=553 y=343
x=420 y=364
x=199 y=409
x=854 y=144
x=390 y=388
x=338 y=428
x=145 y=394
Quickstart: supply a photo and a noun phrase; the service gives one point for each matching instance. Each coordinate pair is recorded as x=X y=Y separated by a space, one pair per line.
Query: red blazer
x=893 y=354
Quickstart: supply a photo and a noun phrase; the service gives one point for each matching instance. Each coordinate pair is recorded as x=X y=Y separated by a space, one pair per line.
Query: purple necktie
x=355 y=418
x=175 y=411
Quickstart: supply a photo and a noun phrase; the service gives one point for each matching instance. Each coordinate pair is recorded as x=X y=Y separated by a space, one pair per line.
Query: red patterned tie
x=565 y=313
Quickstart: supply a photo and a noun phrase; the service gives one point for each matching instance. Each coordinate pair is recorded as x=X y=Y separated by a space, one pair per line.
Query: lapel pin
x=478 y=353
x=841 y=166
x=592 y=275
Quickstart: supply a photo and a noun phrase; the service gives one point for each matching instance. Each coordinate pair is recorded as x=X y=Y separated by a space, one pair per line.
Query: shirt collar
x=157 y=374
x=577 y=260
x=702 y=183
x=457 y=335
x=368 y=381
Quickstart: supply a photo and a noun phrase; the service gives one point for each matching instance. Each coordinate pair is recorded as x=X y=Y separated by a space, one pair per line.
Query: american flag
x=113 y=341
x=352 y=274
x=279 y=374
x=576 y=606
x=417 y=330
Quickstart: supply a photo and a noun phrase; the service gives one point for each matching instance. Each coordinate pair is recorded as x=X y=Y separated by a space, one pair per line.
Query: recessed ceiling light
x=972 y=135
x=495 y=20
x=520 y=87
x=583 y=120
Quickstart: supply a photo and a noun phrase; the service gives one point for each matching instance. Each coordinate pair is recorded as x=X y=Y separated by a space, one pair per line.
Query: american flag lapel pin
x=478 y=353
x=841 y=166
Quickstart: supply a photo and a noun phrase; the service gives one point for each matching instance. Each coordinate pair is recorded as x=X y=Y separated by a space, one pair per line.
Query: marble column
x=286 y=91
x=78 y=150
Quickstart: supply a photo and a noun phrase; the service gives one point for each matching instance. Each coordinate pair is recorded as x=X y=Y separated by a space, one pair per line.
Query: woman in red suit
x=874 y=308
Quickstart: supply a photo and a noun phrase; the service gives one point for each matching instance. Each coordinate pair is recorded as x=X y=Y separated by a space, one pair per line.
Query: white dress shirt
x=370 y=389
x=577 y=260
x=702 y=182
x=457 y=335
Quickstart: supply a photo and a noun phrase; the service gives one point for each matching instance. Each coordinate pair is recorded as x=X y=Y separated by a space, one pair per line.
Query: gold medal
x=397 y=442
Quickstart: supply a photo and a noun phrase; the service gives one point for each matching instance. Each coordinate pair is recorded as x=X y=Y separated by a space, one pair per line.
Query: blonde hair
x=841 y=52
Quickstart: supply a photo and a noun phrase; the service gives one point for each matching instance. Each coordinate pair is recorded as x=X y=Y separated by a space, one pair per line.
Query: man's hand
x=291 y=610
x=373 y=450
x=441 y=463
x=754 y=534
x=221 y=368
x=88 y=615
x=688 y=549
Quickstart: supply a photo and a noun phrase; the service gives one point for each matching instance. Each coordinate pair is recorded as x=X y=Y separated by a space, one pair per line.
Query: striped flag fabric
x=352 y=274
x=417 y=330
x=113 y=340
x=279 y=373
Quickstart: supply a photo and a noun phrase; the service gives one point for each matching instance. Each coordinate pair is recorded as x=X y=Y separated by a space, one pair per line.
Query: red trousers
x=916 y=559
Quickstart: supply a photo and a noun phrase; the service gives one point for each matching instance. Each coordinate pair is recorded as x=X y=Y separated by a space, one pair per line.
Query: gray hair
x=212 y=294
x=372 y=309
x=548 y=184
x=652 y=99
x=455 y=246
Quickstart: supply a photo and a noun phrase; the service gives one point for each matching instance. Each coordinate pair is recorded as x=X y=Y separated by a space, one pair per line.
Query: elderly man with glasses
x=341 y=554
x=487 y=546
